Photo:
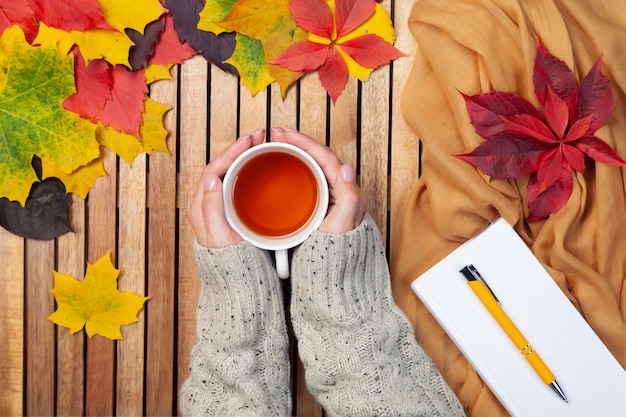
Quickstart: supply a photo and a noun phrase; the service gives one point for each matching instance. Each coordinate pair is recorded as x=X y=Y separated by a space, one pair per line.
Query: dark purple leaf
x=45 y=215
x=140 y=53
x=214 y=48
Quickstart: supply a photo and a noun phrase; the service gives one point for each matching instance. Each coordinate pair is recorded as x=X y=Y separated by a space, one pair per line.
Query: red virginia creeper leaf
x=556 y=112
x=303 y=56
x=18 y=12
x=350 y=14
x=68 y=15
x=551 y=71
x=595 y=97
x=551 y=200
x=484 y=111
x=521 y=142
x=575 y=157
x=525 y=124
x=579 y=128
x=370 y=50
x=507 y=156
x=334 y=74
x=313 y=16
x=599 y=150
x=549 y=169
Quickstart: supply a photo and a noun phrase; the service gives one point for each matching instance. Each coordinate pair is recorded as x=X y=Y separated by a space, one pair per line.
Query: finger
x=217 y=231
x=220 y=164
x=322 y=154
x=349 y=203
x=215 y=169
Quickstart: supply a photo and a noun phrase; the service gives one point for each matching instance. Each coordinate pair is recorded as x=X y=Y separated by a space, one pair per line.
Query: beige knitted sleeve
x=239 y=364
x=358 y=350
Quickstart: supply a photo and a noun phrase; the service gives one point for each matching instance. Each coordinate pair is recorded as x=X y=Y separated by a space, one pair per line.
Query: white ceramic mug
x=280 y=244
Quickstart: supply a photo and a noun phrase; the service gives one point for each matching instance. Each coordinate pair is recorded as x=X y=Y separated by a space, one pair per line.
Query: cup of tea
x=275 y=195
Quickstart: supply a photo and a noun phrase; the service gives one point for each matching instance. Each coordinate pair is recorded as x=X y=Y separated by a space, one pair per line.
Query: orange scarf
x=478 y=46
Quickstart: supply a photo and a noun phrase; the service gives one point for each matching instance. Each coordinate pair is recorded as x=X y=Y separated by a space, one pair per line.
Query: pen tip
x=557 y=388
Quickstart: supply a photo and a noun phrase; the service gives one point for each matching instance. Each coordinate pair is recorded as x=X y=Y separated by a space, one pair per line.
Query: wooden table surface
x=138 y=214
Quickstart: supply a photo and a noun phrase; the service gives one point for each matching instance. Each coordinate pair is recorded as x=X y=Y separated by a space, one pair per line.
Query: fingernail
x=256 y=132
x=210 y=182
x=277 y=129
x=244 y=137
x=347 y=173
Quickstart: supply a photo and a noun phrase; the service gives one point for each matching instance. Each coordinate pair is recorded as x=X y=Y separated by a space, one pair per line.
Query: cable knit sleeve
x=358 y=350
x=239 y=364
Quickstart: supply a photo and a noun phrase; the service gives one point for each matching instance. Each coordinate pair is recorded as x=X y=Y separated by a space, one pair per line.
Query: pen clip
x=471 y=274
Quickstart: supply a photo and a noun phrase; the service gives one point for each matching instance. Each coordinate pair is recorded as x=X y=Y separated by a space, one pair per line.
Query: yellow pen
x=490 y=301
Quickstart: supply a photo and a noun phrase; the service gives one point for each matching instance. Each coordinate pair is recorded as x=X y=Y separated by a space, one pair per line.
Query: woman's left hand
x=206 y=214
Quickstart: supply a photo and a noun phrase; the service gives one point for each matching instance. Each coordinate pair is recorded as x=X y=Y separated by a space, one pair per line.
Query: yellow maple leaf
x=78 y=182
x=95 y=302
x=113 y=46
x=153 y=134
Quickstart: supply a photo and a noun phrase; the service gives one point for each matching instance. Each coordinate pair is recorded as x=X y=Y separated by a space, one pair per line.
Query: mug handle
x=282 y=263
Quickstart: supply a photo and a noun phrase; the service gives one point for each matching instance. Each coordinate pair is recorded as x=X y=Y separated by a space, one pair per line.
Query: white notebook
x=592 y=379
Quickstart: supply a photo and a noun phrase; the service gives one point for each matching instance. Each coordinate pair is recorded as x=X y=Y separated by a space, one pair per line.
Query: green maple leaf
x=33 y=83
x=272 y=25
x=212 y=12
x=249 y=59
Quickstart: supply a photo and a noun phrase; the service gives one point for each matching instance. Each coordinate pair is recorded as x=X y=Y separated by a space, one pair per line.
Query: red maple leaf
x=315 y=16
x=18 y=12
x=523 y=142
x=109 y=94
x=70 y=15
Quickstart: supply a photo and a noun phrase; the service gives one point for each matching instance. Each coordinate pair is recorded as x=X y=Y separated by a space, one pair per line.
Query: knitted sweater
x=358 y=349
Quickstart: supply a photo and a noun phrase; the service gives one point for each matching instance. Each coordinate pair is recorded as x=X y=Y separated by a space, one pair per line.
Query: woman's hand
x=347 y=200
x=206 y=213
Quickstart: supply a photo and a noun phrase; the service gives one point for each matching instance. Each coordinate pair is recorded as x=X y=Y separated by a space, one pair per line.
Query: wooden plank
x=404 y=143
x=192 y=154
x=101 y=203
x=70 y=382
x=252 y=110
x=284 y=111
x=40 y=341
x=313 y=118
x=223 y=112
x=12 y=325
x=131 y=257
x=160 y=350
x=374 y=145
x=343 y=124
x=225 y=123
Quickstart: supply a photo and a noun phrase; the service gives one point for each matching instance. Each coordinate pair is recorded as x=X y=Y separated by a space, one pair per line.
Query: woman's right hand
x=347 y=201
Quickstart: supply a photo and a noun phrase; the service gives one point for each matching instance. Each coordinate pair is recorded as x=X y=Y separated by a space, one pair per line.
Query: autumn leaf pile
x=75 y=76
x=545 y=147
